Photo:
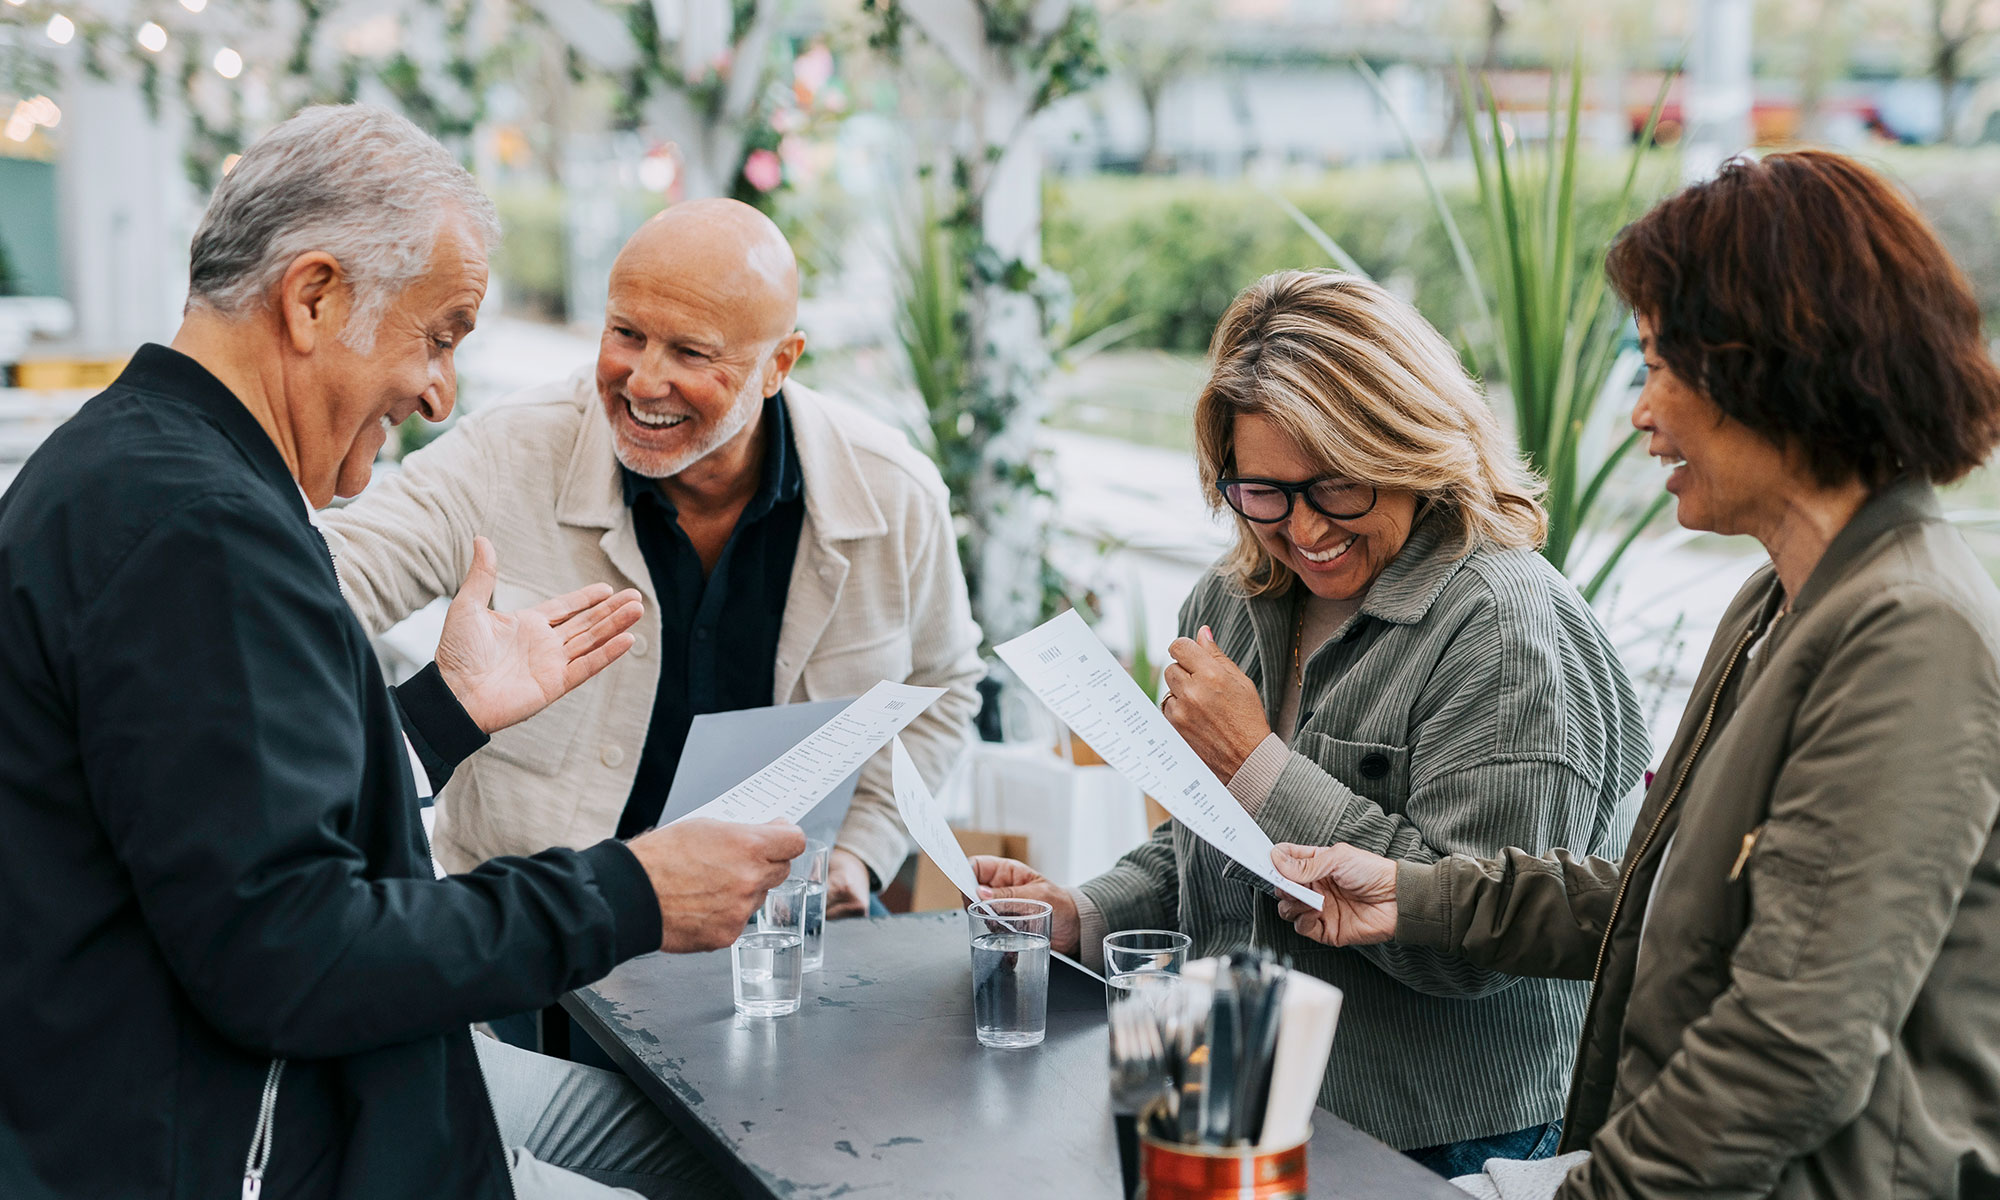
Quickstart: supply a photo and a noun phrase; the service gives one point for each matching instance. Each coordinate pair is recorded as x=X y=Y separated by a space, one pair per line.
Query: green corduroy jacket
x=1471 y=704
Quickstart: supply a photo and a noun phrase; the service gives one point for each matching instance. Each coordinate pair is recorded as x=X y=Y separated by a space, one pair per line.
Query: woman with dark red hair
x=1797 y=960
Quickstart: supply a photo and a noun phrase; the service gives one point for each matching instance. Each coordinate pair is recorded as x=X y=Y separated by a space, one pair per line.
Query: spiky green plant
x=1548 y=324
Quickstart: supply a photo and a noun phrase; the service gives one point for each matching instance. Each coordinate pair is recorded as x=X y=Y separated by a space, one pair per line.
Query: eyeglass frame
x=1292 y=493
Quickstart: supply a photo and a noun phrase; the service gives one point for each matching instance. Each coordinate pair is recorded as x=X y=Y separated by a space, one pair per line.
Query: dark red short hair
x=1805 y=296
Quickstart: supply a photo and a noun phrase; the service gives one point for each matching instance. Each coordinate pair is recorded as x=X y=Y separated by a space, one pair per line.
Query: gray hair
x=354 y=181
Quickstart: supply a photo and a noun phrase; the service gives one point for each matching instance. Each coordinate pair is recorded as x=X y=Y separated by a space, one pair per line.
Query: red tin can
x=1170 y=1171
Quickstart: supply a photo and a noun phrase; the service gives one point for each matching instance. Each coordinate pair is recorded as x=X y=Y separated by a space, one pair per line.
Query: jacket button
x=612 y=756
x=1374 y=765
x=639 y=645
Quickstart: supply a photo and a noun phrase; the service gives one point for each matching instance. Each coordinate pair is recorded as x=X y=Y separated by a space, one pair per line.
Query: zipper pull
x=1743 y=855
x=253 y=1185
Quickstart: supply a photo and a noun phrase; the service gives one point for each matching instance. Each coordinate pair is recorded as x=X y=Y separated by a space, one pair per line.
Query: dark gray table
x=877 y=1086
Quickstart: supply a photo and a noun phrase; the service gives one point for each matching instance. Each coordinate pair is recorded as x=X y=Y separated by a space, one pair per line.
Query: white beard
x=748 y=403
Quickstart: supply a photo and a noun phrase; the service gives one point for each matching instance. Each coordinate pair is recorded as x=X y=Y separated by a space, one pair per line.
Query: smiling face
x=1336 y=560
x=409 y=370
x=697 y=332
x=677 y=382
x=1725 y=477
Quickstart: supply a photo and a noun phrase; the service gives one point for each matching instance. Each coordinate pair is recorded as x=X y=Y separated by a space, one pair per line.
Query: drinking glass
x=768 y=979
x=1010 y=971
x=1133 y=953
x=811 y=867
x=770 y=962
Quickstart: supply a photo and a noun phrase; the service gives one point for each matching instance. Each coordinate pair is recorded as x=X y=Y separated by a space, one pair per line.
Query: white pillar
x=125 y=213
x=125 y=217
x=1719 y=88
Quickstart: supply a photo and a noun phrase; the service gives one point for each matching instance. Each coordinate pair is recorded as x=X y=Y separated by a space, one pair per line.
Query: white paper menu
x=1073 y=673
x=802 y=776
x=925 y=820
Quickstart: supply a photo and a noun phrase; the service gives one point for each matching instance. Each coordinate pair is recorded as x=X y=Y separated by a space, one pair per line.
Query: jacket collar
x=1405 y=590
x=838 y=499
x=1904 y=502
x=163 y=371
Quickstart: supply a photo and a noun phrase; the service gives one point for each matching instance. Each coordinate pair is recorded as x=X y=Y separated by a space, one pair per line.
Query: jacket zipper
x=1743 y=855
x=506 y=1154
x=1659 y=818
x=259 y=1159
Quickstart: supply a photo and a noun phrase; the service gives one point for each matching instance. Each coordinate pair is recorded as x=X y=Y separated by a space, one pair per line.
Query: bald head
x=698 y=333
x=735 y=252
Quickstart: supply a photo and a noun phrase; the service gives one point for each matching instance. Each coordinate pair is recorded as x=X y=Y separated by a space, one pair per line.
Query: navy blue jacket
x=210 y=852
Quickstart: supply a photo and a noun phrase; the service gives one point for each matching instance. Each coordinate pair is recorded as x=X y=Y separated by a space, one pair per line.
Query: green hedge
x=533 y=256
x=1173 y=251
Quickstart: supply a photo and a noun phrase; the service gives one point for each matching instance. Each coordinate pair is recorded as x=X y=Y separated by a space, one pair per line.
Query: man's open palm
x=505 y=667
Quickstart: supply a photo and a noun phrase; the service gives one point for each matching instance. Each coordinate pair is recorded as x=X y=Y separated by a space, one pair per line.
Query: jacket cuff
x=1090 y=930
x=1306 y=803
x=1423 y=905
x=1253 y=781
x=635 y=909
x=876 y=838
x=440 y=730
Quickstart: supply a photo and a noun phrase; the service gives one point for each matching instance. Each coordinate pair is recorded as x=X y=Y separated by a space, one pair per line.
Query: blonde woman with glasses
x=1381 y=659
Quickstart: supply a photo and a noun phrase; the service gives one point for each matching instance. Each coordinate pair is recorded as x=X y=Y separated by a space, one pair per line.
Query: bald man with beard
x=789 y=548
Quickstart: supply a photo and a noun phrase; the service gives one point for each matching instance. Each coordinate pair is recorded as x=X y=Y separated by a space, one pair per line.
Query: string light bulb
x=151 y=37
x=228 y=63
x=194 y=6
x=60 y=29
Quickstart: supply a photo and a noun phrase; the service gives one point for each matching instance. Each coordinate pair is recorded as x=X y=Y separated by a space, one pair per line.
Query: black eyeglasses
x=1269 y=501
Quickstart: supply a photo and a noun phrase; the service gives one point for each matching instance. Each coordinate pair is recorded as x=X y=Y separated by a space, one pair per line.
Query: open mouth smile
x=1325 y=558
x=652 y=420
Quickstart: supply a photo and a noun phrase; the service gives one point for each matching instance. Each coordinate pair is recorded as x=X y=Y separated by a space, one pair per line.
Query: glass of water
x=770 y=961
x=811 y=867
x=1010 y=971
x=1131 y=954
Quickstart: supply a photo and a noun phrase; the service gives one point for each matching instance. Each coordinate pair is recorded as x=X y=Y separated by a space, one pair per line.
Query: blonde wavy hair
x=1370 y=392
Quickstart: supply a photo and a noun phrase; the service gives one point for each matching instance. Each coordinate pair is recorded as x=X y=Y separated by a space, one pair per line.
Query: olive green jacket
x=1811 y=1007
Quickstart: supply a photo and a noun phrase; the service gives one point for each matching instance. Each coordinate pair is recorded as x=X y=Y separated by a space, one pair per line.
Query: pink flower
x=763 y=170
x=814 y=68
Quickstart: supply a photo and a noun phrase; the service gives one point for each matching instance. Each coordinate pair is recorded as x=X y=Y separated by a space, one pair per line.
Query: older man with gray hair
x=224 y=960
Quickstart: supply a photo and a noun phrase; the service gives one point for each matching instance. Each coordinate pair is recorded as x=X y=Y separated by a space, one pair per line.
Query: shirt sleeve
x=441 y=732
x=237 y=763
x=1142 y=890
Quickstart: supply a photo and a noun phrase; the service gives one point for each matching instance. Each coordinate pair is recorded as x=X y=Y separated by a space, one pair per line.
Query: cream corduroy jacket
x=876 y=593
